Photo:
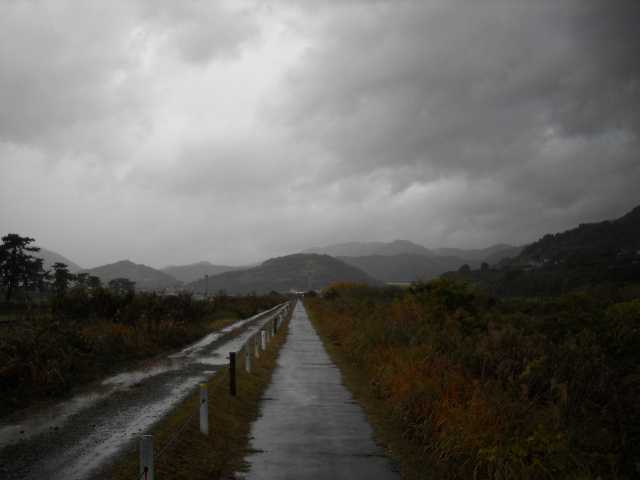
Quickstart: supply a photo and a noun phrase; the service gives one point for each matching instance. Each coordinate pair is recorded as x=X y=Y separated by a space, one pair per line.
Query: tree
x=122 y=286
x=61 y=278
x=18 y=269
x=94 y=282
x=464 y=268
x=35 y=275
x=484 y=267
x=81 y=280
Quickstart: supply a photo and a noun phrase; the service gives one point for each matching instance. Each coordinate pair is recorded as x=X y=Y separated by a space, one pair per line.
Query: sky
x=232 y=131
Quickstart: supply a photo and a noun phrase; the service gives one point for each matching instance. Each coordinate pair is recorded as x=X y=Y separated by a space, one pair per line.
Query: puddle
x=33 y=422
x=125 y=426
x=49 y=419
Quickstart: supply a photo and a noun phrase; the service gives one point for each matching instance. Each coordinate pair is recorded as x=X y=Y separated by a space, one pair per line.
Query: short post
x=275 y=326
x=256 y=346
x=247 y=359
x=263 y=338
x=146 y=457
x=232 y=373
x=204 y=409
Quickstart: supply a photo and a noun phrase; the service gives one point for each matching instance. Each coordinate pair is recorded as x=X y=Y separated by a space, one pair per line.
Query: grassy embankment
x=195 y=456
x=460 y=385
x=47 y=351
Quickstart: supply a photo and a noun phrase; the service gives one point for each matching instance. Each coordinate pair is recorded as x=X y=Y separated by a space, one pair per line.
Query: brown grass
x=195 y=456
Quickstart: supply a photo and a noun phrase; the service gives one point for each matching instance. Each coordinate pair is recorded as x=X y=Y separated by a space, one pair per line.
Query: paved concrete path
x=310 y=426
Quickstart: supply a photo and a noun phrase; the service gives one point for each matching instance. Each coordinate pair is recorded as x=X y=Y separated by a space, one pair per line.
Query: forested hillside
x=604 y=254
x=282 y=274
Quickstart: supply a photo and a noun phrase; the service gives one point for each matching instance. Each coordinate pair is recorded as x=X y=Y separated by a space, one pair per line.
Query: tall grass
x=528 y=389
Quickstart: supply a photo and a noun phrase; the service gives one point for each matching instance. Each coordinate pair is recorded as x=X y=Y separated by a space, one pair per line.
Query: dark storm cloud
x=69 y=69
x=243 y=130
x=465 y=86
x=539 y=96
x=202 y=30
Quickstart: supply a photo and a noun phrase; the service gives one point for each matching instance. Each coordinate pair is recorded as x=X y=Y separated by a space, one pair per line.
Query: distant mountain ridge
x=592 y=254
x=396 y=261
x=362 y=249
x=146 y=278
x=404 y=267
x=50 y=257
x=292 y=272
x=405 y=261
x=491 y=254
x=610 y=237
x=195 y=271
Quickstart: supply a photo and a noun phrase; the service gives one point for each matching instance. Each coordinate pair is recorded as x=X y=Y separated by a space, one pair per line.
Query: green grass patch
x=195 y=456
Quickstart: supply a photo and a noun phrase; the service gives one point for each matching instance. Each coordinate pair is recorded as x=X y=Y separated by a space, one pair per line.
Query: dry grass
x=458 y=388
x=217 y=456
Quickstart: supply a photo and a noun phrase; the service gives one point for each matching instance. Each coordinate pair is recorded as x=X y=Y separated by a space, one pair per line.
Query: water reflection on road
x=74 y=437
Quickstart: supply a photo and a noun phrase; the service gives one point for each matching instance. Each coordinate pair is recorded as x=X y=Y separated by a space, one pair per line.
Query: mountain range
x=587 y=254
x=603 y=253
x=195 y=271
x=50 y=257
x=363 y=249
x=146 y=278
x=405 y=261
x=369 y=262
x=292 y=272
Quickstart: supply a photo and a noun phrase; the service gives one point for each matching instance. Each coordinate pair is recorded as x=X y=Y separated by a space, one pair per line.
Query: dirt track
x=78 y=438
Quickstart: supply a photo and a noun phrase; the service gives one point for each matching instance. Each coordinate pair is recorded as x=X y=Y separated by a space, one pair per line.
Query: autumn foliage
x=526 y=389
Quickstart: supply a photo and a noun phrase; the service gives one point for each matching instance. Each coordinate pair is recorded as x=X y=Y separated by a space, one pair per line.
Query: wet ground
x=79 y=438
x=310 y=427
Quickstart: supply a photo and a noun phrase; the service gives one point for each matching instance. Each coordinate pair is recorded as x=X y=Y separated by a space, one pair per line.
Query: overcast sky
x=231 y=131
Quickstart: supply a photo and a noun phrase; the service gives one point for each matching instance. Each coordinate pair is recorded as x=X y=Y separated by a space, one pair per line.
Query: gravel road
x=79 y=438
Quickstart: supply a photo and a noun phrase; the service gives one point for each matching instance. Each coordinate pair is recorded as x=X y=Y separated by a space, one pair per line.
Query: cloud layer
x=234 y=131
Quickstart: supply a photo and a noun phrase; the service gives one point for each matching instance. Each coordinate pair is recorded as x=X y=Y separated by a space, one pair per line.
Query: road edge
x=222 y=453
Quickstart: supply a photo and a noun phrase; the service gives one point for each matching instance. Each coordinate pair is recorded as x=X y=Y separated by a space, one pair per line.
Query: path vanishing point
x=310 y=427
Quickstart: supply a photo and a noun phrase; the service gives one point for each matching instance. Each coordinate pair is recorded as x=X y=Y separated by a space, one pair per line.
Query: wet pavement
x=79 y=438
x=310 y=427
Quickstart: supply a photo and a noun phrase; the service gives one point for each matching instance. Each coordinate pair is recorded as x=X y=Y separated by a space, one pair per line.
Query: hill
x=195 y=271
x=404 y=267
x=292 y=272
x=362 y=249
x=146 y=278
x=592 y=254
x=501 y=255
x=491 y=255
x=50 y=257
x=590 y=240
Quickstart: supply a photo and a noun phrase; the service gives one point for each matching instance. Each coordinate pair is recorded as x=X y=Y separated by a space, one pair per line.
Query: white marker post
x=204 y=409
x=256 y=346
x=247 y=359
x=146 y=457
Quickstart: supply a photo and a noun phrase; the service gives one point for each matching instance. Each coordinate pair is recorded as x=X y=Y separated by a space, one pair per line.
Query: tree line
x=22 y=274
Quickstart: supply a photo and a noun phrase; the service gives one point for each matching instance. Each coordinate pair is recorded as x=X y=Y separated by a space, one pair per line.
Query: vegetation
x=19 y=270
x=84 y=334
x=478 y=387
x=604 y=254
x=221 y=454
x=61 y=329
